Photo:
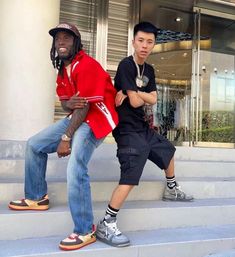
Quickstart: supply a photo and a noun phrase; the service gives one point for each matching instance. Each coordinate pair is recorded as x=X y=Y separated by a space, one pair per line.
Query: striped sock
x=170 y=181
x=110 y=212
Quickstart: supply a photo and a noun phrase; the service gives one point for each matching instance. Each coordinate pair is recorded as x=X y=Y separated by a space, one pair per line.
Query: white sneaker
x=176 y=194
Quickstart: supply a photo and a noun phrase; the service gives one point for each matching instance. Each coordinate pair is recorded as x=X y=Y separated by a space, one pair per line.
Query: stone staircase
x=156 y=228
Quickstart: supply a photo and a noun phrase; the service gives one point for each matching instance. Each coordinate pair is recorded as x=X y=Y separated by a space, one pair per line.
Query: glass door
x=173 y=79
x=194 y=66
x=213 y=82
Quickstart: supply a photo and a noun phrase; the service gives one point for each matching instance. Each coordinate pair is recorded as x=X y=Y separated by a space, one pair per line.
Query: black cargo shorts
x=135 y=148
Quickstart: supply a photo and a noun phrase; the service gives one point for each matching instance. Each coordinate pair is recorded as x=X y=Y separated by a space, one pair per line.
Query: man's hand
x=63 y=149
x=76 y=102
x=119 y=98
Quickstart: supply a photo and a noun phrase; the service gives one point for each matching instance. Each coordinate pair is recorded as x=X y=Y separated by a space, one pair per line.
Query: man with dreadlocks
x=87 y=94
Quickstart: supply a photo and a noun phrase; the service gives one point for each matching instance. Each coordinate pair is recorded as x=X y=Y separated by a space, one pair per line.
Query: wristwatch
x=64 y=137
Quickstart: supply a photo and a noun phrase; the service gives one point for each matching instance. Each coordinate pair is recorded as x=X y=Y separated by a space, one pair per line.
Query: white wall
x=27 y=78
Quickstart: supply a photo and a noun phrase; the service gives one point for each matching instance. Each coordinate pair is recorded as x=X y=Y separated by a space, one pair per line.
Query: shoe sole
x=112 y=244
x=76 y=247
x=177 y=200
x=25 y=208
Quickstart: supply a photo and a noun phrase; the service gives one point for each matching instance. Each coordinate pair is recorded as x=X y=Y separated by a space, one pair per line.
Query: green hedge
x=217 y=126
x=224 y=134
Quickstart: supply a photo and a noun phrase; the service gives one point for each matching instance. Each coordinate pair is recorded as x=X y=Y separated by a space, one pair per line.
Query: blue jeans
x=78 y=181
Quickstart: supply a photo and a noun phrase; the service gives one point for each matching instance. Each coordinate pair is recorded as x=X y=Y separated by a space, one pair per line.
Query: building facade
x=194 y=62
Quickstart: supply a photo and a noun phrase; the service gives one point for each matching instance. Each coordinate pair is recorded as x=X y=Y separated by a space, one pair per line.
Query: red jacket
x=92 y=82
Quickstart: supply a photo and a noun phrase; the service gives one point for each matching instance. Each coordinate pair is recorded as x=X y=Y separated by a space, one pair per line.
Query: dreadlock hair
x=56 y=61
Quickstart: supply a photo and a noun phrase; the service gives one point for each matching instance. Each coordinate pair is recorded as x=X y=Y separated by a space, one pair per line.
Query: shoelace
x=113 y=228
x=179 y=192
x=73 y=236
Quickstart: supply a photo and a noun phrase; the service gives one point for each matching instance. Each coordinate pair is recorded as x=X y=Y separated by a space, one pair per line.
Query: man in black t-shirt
x=129 y=74
x=136 y=140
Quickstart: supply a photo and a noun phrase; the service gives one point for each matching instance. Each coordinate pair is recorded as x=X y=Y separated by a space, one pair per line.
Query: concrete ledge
x=12 y=149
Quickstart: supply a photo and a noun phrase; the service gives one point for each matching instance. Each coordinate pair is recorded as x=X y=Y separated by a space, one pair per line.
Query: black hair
x=56 y=61
x=147 y=27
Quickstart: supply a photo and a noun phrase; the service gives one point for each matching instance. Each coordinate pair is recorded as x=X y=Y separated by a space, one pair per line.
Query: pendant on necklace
x=139 y=82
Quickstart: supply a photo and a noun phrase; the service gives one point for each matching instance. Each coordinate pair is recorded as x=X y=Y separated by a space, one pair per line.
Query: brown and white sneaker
x=26 y=204
x=75 y=241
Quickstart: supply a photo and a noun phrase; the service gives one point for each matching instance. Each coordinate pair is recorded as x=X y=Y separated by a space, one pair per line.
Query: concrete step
x=200 y=188
x=177 y=242
x=11 y=149
x=135 y=215
x=108 y=168
x=156 y=228
x=190 y=162
x=229 y=253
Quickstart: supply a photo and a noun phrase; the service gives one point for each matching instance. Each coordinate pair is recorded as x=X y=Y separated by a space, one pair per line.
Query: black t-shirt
x=130 y=118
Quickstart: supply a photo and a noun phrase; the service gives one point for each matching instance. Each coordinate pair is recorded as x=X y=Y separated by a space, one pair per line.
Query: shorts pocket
x=128 y=157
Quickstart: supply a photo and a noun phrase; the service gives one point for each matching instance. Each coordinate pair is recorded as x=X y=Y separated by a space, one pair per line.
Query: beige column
x=27 y=78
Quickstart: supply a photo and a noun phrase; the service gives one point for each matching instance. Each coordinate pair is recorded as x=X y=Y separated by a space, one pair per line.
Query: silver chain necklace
x=139 y=78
